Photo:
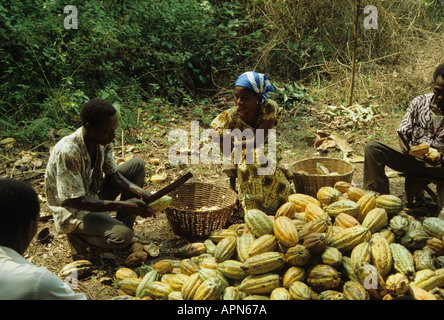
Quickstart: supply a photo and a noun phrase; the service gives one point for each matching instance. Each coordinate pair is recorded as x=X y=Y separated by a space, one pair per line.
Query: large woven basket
x=310 y=181
x=198 y=208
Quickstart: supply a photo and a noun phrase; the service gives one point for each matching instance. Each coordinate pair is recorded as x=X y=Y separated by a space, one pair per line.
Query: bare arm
x=124 y=185
x=131 y=206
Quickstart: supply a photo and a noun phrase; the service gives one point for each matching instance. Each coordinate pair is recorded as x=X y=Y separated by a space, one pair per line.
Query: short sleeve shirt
x=418 y=125
x=70 y=174
x=22 y=280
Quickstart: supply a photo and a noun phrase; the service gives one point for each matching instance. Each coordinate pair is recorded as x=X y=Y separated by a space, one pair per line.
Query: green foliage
x=124 y=51
x=292 y=94
x=153 y=56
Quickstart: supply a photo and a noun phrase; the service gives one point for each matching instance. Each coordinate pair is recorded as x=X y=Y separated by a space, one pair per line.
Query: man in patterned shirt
x=78 y=194
x=421 y=123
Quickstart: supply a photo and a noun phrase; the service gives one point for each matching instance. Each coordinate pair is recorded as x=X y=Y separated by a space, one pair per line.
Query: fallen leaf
x=7 y=141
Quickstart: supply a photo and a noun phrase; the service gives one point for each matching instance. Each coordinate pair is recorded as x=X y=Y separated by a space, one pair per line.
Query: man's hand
x=434 y=157
x=404 y=147
x=137 y=207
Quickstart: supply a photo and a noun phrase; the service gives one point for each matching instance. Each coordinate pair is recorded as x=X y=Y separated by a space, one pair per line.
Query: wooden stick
x=355 y=45
x=123 y=147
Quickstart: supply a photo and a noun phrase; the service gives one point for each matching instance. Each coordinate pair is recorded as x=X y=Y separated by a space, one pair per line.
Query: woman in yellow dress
x=262 y=183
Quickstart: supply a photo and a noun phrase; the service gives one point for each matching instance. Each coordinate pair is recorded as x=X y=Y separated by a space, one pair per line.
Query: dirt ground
x=53 y=253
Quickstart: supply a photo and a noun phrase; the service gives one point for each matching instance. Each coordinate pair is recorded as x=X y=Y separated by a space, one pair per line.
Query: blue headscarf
x=257 y=82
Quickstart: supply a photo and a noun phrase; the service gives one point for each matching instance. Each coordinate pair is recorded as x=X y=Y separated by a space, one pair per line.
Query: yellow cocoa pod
x=420 y=293
x=161 y=204
x=158 y=290
x=218 y=235
x=344 y=220
x=244 y=241
x=265 y=243
x=301 y=200
x=232 y=269
x=355 y=193
x=355 y=291
x=359 y=254
x=288 y=209
x=293 y=274
x=225 y=249
x=425 y=279
x=347 y=239
x=190 y=286
x=380 y=254
x=327 y=195
x=375 y=220
x=300 y=291
x=188 y=266
x=280 y=294
x=366 y=203
x=164 y=266
x=285 y=231
x=313 y=211
x=323 y=277
x=332 y=256
x=342 y=206
x=419 y=150
x=264 y=263
x=342 y=186
x=259 y=284
x=129 y=285
x=210 y=289
x=124 y=273
x=258 y=222
x=392 y=204
x=397 y=284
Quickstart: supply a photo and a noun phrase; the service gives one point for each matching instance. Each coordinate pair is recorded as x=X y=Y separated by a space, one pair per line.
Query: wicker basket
x=310 y=182
x=187 y=213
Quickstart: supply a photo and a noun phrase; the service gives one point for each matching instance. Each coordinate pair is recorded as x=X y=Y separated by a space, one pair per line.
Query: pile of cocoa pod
x=345 y=243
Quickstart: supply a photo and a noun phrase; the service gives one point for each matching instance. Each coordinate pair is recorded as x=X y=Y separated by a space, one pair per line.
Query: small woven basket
x=198 y=208
x=310 y=181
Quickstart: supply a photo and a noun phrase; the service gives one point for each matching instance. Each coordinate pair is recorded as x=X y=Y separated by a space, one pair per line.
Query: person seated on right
x=422 y=123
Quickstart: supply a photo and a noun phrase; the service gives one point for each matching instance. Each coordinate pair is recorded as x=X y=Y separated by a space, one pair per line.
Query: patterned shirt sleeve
x=109 y=164
x=406 y=124
x=416 y=123
x=223 y=121
x=68 y=175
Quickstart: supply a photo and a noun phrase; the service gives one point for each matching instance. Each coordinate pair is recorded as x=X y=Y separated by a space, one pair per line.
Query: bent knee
x=138 y=163
x=120 y=236
x=372 y=146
